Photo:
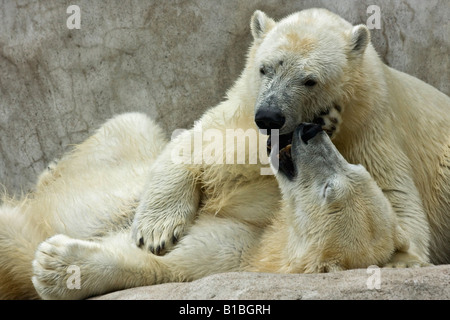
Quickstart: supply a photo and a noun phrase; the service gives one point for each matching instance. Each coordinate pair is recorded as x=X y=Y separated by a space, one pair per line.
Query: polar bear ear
x=260 y=24
x=359 y=39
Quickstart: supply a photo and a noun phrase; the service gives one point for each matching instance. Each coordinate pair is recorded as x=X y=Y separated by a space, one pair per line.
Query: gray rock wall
x=169 y=59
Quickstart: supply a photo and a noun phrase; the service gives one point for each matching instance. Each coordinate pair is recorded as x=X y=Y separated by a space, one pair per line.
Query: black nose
x=308 y=131
x=268 y=119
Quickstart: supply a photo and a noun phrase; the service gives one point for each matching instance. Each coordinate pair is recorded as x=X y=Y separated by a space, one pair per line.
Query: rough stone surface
x=428 y=283
x=169 y=59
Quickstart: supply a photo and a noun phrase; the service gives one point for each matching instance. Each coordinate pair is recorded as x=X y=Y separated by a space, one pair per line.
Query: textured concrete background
x=170 y=59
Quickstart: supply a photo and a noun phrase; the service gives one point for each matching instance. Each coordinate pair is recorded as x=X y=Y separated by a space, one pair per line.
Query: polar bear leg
x=128 y=139
x=169 y=202
x=67 y=268
x=213 y=245
x=412 y=219
x=100 y=177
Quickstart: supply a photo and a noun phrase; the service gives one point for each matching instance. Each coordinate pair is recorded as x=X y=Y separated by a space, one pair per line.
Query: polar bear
x=313 y=66
x=333 y=217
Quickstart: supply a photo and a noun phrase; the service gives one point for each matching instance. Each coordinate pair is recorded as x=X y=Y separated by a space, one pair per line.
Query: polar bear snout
x=294 y=149
x=269 y=119
x=307 y=131
x=308 y=149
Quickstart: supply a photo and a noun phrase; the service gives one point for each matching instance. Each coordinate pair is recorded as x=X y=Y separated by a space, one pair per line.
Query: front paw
x=406 y=260
x=330 y=120
x=158 y=231
x=317 y=266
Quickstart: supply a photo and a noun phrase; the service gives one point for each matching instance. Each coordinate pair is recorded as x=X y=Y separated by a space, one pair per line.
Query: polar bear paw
x=330 y=120
x=406 y=260
x=158 y=233
x=59 y=265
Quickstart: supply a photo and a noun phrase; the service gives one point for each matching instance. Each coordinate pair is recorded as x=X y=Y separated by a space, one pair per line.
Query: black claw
x=152 y=250
x=163 y=244
x=141 y=242
x=174 y=239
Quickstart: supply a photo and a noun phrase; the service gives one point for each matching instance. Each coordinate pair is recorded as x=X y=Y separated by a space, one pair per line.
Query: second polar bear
x=333 y=217
x=313 y=66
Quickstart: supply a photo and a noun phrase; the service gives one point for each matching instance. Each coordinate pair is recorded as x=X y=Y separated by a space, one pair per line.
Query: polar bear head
x=302 y=66
x=338 y=216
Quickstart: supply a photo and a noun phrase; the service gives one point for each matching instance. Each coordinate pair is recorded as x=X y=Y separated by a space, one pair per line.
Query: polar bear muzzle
x=306 y=131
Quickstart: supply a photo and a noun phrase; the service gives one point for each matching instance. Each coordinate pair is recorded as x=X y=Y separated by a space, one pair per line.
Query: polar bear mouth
x=285 y=161
x=306 y=131
x=284 y=141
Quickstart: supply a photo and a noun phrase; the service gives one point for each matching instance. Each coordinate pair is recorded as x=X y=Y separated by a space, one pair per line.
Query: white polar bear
x=314 y=66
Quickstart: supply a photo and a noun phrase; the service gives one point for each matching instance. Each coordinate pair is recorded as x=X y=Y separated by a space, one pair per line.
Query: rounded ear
x=360 y=38
x=260 y=24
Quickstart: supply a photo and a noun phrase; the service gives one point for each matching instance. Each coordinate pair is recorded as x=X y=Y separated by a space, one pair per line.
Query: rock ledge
x=429 y=283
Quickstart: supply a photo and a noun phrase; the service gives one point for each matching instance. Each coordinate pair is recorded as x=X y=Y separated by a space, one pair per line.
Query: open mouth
x=286 y=139
x=307 y=131
x=284 y=143
x=284 y=154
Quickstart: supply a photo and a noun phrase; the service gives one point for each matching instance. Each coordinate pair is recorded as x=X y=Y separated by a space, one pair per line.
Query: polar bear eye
x=310 y=83
x=262 y=70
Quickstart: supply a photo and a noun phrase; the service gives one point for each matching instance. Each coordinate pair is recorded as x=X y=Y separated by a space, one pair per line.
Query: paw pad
x=330 y=120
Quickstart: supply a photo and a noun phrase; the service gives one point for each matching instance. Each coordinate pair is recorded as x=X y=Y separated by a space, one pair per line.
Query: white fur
x=299 y=237
x=395 y=125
